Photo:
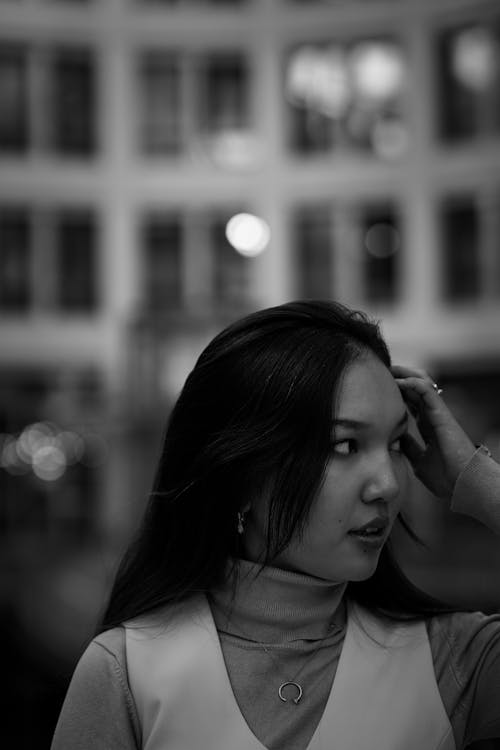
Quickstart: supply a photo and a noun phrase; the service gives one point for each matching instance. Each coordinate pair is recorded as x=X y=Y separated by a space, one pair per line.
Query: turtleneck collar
x=273 y=605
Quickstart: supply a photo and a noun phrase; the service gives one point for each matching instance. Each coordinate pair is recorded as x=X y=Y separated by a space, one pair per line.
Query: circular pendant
x=295 y=700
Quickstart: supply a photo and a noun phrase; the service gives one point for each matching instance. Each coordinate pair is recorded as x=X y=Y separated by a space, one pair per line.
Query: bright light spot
x=248 y=234
x=474 y=58
x=378 y=70
x=382 y=240
x=301 y=72
x=49 y=463
x=331 y=84
x=389 y=138
x=33 y=437
x=318 y=79
x=96 y=450
x=9 y=457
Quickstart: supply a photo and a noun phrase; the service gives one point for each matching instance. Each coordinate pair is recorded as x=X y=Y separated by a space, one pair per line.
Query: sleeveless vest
x=384 y=695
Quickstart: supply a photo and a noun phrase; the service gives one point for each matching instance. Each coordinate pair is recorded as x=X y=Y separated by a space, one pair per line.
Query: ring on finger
x=437 y=389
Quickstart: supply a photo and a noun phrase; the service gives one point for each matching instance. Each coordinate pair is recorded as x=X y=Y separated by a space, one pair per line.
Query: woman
x=260 y=605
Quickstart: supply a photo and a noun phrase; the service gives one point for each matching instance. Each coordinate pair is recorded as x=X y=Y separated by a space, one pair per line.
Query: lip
x=372 y=541
x=369 y=542
x=378 y=522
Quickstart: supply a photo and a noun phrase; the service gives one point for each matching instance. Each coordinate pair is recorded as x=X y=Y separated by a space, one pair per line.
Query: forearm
x=477 y=491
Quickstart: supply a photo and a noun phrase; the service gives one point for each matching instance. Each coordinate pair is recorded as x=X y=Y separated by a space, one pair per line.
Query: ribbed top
x=275 y=606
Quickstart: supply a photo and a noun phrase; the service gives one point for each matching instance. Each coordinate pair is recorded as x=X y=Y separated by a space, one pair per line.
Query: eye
x=345 y=447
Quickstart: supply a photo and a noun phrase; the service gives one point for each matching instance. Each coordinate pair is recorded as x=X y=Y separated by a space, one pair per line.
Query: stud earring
x=241 y=521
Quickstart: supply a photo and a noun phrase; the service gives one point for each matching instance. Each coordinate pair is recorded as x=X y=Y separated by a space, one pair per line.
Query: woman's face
x=366 y=478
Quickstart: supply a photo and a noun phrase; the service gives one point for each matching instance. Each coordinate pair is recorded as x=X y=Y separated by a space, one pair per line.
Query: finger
x=412 y=401
x=425 y=389
x=426 y=404
x=402 y=371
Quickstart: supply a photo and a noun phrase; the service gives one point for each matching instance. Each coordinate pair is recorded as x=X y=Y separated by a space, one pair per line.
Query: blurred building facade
x=363 y=135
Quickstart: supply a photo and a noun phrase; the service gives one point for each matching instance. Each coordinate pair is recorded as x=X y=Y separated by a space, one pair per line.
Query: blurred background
x=167 y=166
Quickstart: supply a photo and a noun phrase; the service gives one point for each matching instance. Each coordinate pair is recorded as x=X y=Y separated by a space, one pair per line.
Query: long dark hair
x=255 y=408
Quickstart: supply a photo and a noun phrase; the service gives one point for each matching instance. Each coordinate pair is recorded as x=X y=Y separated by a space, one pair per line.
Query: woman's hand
x=446 y=449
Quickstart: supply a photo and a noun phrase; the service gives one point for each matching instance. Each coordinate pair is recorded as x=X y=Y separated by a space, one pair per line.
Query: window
x=73 y=105
x=347 y=96
x=223 y=93
x=468 y=62
x=160 y=91
x=48 y=259
x=460 y=243
x=191 y=102
x=62 y=81
x=15 y=260
x=162 y=243
x=380 y=253
x=311 y=232
x=76 y=261
x=231 y=279
x=13 y=99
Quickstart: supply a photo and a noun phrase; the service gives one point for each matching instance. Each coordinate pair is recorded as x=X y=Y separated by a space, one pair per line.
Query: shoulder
x=464 y=633
x=463 y=641
x=465 y=649
x=105 y=653
x=109 y=644
x=98 y=710
x=168 y=618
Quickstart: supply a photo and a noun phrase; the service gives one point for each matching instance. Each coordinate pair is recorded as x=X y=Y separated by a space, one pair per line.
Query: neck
x=274 y=605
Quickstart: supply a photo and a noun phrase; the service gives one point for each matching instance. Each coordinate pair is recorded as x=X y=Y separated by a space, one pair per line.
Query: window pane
x=460 y=224
x=347 y=96
x=74 y=106
x=231 y=269
x=468 y=74
x=162 y=243
x=15 y=259
x=381 y=249
x=161 y=109
x=313 y=250
x=13 y=99
x=76 y=262
x=223 y=93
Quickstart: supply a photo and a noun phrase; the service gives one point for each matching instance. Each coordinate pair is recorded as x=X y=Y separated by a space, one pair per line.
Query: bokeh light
x=378 y=70
x=248 y=234
x=318 y=79
x=474 y=58
x=49 y=463
x=382 y=240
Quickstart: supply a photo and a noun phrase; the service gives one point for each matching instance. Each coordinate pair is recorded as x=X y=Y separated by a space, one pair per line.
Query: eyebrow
x=360 y=424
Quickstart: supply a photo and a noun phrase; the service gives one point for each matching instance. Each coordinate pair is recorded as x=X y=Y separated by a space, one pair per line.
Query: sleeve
x=477 y=491
x=466 y=652
x=98 y=711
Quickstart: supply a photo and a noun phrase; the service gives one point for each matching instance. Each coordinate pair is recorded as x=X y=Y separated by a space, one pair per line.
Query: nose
x=382 y=482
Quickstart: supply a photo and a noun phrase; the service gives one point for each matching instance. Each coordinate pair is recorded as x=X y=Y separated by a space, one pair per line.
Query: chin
x=362 y=572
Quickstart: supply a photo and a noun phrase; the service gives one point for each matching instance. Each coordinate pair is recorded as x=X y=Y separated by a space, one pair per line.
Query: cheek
x=333 y=509
x=340 y=489
x=403 y=475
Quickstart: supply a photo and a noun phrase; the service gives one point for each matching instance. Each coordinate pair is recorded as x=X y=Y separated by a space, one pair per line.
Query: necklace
x=292 y=682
